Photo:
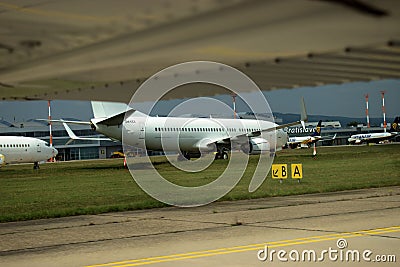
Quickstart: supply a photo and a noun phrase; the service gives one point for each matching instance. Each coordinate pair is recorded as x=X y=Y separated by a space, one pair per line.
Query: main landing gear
x=222 y=154
x=188 y=155
x=36 y=166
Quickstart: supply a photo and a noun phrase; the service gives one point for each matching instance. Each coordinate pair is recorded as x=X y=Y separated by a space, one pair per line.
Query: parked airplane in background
x=376 y=137
x=193 y=135
x=307 y=141
x=19 y=149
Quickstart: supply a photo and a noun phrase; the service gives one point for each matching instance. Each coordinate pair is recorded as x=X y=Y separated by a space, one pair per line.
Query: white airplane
x=19 y=149
x=376 y=137
x=195 y=135
x=307 y=141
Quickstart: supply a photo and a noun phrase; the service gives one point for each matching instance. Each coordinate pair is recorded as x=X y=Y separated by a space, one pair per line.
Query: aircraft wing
x=327 y=138
x=303 y=118
x=116 y=119
x=307 y=141
x=240 y=139
x=104 y=50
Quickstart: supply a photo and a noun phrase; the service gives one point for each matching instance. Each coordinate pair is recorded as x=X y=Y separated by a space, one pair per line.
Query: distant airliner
x=376 y=137
x=192 y=136
x=307 y=141
x=19 y=149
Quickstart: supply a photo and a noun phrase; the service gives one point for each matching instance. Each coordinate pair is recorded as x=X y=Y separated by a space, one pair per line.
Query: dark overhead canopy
x=103 y=50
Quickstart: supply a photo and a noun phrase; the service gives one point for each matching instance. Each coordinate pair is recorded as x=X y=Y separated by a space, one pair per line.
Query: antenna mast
x=234 y=105
x=366 y=111
x=50 y=132
x=384 y=110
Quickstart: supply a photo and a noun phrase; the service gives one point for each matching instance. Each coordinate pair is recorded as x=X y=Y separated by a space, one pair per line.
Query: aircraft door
x=141 y=130
x=39 y=149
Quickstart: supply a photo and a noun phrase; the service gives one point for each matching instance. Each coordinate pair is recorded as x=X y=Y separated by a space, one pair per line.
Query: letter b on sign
x=279 y=171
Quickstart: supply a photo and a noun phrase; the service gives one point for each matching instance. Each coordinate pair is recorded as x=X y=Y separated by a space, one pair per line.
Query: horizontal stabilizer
x=73 y=136
x=116 y=119
x=62 y=121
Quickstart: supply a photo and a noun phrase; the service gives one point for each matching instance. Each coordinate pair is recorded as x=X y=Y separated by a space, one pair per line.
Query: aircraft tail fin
x=110 y=113
x=104 y=110
x=394 y=127
x=303 y=118
x=318 y=129
x=303 y=113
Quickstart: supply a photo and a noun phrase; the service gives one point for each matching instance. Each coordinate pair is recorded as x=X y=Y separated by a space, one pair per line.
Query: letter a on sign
x=297 y=171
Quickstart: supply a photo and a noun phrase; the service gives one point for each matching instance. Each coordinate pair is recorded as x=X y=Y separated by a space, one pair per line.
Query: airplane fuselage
x=18 y=149
x=370 y=137
x=305 y=141
x=191 y=134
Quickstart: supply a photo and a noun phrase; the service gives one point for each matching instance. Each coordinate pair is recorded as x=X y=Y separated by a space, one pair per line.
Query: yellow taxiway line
x=236 y=249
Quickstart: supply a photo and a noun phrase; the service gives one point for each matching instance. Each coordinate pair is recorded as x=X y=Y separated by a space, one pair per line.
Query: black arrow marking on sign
x=275 y=173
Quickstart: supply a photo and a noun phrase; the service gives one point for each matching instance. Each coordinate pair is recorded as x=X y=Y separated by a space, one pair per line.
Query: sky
x=341 y=100
x=337 y=100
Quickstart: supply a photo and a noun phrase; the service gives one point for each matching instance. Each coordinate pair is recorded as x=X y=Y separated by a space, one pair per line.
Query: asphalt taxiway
x=221 y=234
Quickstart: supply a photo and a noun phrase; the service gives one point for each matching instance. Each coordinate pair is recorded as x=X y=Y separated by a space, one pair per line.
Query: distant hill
x=289 y=117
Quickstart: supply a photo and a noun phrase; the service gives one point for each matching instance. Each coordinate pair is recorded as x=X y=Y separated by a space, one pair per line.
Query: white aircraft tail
x=104 y=110
x=303 y=113
x=303 y=118
x=111 y=113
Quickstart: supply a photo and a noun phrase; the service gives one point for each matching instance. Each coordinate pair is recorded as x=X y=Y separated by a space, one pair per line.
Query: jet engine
x=256 y=146
x=2 y=160
x=206 y=145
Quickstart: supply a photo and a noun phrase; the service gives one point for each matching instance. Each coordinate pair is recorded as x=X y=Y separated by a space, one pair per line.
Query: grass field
x=98 y=186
